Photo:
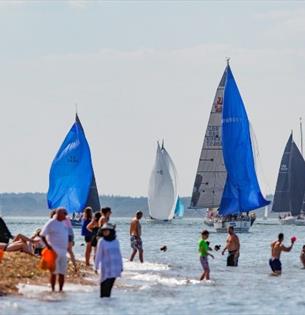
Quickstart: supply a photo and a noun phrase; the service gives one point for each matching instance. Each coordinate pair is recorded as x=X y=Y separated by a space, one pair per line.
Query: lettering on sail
x=231 y=120
x=213 y=136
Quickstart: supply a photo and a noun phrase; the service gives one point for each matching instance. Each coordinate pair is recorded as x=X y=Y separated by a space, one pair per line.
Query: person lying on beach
x=203 y=248
x=302 y=256
x=17 y=246
x=277 y=248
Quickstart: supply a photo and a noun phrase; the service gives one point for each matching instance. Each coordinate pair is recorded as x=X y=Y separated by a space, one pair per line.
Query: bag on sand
x=1 y=254
x=48 y=260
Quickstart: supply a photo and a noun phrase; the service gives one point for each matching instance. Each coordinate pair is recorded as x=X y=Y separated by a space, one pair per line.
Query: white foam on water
x=146 y=266
x=44 y=292
x=155 y=279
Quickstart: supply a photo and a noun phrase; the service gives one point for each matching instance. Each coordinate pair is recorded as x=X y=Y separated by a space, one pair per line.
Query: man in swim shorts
x=233 y=247
x=135 y=237
x=277 y=248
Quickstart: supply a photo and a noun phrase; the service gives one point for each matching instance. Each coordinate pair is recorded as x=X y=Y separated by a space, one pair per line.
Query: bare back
x=277 y=248
x=135 y=228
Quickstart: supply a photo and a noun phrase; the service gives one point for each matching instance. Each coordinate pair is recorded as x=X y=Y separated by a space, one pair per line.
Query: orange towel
x=48 y=260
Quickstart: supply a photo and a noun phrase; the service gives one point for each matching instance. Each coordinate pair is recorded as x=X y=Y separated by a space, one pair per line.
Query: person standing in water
x=135 y=237
x=203 y=248
x=87 y=217
x=233 y=247
x=105 y=216
x=55 y=235
x=277 y=248
x=108 y=259
x=302 y=256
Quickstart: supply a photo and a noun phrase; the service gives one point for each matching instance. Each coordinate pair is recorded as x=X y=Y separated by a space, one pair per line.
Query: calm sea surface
x=167 y=283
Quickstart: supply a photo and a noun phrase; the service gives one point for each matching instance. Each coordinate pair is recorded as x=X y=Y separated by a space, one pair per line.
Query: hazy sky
x=142 y=71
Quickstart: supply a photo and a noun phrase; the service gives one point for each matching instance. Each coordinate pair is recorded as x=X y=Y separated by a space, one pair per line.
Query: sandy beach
x=20 y=268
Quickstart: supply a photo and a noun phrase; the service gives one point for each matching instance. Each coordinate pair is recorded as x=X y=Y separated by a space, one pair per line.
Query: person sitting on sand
x=38 y=244
x=108 y=259
x=135 y=237
x=55 y=236
x=277 y=248
x=233 y=247
x=203 y=248
x=302 y=256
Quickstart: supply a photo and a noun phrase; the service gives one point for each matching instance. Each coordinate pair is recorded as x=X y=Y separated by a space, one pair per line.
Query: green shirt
x=203 y=248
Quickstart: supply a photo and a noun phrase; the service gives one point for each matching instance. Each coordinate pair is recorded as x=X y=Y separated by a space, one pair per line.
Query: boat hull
x=239 y=226
x=208 y=222
x=300 y=222
x=288 y=221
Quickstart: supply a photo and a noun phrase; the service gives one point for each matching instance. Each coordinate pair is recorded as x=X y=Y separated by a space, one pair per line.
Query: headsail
x=71 y=181
x=211 y=173
x=242 y=191
x=179 y=211
x=162 y=193
x=290 y=187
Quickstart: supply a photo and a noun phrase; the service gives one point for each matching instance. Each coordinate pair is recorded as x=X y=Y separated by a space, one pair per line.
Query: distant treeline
x=35 y=204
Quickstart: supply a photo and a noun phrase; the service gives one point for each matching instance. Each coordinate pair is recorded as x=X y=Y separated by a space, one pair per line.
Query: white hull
x=208 y=222
x=300 y=222
x=288 y=221
x=239 y=226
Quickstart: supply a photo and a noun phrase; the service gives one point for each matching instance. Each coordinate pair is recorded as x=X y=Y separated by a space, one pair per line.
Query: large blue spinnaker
x=71 y=176
x=242 y=192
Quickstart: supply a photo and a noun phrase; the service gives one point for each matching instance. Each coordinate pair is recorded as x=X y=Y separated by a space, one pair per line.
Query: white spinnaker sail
x=163 y=192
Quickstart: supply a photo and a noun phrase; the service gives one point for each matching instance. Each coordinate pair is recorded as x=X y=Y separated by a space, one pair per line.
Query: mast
x=301 y=130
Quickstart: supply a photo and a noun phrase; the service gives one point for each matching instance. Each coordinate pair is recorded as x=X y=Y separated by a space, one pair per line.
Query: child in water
x=203 y=248
x=302 y=256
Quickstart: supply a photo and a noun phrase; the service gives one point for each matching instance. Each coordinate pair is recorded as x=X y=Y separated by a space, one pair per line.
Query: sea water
x=167 y=283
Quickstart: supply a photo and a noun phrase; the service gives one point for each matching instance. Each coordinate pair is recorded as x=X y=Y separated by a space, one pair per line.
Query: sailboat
x=72 y=182
x=226 y=181
x=179 y=210
x=290 y=187
x=163 y=190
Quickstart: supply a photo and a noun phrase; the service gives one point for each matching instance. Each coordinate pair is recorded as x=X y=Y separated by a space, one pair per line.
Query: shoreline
x=19 y=268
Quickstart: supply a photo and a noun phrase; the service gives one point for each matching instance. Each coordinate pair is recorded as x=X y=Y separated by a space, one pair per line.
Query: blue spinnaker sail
x=242 y=192
x=71 y=175
x=179 y=211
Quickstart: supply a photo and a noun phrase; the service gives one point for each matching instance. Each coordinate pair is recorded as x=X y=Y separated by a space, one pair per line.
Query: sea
x=168 y=282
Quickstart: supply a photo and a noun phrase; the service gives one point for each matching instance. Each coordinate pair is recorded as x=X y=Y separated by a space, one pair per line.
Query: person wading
x=108 y=259
x=277 y=248
x=135 y=237
x=233 y=247
x=55 y=235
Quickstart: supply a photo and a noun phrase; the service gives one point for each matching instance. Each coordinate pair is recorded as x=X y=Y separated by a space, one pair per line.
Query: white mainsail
x=162 y=192
x=211 y=173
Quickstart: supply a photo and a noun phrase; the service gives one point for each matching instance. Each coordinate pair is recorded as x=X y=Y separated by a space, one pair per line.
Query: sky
x=142 y=71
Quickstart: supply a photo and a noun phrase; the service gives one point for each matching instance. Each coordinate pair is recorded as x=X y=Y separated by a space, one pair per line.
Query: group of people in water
x=233 y=248
x=100 y=237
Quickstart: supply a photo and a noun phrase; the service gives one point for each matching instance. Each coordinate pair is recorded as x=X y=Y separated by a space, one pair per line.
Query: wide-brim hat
x=108 y=226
